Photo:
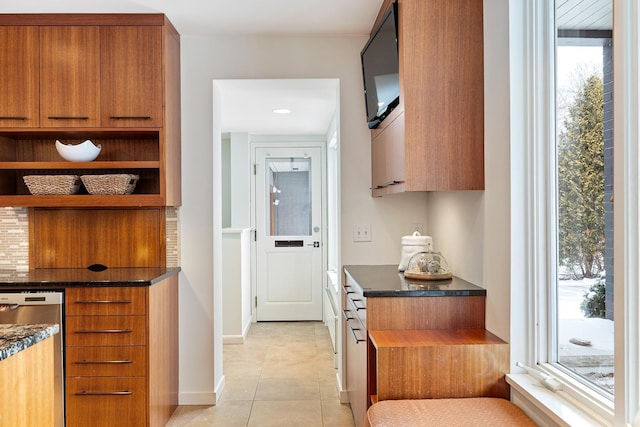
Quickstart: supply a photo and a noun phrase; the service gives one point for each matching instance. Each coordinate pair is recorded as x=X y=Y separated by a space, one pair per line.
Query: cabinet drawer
x=98 y=402
x=105 y=330
x=128 y=361
x=105 y=301
x=356 y=303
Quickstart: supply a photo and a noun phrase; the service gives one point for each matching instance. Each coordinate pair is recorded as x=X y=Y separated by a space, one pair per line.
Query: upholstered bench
x=475 y=412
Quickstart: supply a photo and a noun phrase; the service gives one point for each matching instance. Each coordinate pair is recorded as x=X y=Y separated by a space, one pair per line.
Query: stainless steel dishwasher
x=39 y=307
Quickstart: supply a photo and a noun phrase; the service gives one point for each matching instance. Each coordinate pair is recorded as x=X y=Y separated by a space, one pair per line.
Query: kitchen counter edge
x=15 y=338
x=44 y=279
x=386 y=281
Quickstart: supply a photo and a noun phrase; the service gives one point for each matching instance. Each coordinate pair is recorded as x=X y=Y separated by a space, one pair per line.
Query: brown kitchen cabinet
x=411 y=341
x=20 y=70
x=69 y=76
x=438 y=125
x=111 y=78
x=387 y=154
x=121 y=355
x=134 y=52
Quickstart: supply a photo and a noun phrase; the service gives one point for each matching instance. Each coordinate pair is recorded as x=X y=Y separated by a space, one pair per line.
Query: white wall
x=240 y=180
x=205 y=59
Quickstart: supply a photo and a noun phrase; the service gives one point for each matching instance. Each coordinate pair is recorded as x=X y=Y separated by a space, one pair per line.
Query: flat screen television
x=379 y=59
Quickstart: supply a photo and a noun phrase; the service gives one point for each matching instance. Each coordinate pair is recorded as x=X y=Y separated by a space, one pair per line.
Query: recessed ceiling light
x=282 y=111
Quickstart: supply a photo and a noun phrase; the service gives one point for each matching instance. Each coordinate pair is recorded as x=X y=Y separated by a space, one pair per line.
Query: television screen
x=380 y=70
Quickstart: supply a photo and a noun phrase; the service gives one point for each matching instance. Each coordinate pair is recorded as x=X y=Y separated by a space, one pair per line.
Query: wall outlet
x=362 y=233
x=417 y=226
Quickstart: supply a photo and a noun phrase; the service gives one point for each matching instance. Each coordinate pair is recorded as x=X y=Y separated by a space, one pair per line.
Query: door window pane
x=289 y=196
x=584 y=171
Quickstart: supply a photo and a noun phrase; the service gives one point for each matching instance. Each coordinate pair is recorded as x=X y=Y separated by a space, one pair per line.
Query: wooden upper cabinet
x=19 y=68
x=442 y=68
x=132 y=89
x=69 y=76
x=440 y=128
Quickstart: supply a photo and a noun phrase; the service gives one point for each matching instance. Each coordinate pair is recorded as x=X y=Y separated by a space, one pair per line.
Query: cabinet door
x=19 y=68
x=106 y=402
x=69 y=76
x=132 y=89
x=356 y=359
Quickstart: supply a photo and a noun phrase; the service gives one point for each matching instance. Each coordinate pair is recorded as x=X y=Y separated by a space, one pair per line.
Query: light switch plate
x=362 y=233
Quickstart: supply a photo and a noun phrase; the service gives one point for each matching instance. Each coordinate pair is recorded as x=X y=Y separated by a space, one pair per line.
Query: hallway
x=282 y=375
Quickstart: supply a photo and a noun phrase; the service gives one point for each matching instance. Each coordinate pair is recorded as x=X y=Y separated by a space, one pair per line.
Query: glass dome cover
x=428 y=266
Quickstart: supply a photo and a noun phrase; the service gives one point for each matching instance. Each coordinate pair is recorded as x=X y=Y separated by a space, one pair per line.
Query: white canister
x=413 y=244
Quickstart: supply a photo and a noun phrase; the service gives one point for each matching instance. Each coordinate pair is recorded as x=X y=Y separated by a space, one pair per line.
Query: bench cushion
x=475 y=411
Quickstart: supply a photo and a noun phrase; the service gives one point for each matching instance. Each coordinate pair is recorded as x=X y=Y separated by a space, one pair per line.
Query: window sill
x=543 y=405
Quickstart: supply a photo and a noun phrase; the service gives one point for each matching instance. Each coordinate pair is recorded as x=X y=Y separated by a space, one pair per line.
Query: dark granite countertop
x=57 y=278
x=15 y=338
x=387 y=281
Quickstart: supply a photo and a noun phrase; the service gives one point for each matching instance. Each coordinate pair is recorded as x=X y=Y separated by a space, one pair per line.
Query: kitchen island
x=27 y=373
x=412 y=339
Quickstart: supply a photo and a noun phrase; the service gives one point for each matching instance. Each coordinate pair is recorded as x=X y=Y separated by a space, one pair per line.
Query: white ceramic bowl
x=83 y=152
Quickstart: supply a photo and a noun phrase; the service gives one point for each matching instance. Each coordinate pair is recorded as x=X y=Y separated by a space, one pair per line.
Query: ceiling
x=209 y=17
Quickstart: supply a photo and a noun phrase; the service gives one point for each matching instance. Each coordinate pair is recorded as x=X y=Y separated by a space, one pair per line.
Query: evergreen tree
x=581 y=181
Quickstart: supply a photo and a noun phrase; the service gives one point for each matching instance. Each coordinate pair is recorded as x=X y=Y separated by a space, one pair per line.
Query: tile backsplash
x=14 y=238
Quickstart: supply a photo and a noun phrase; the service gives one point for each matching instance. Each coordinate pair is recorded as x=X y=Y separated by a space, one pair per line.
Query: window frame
x=538 y=177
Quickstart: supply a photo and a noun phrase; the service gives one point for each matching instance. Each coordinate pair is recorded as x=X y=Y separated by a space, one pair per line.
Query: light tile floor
x=282 y=375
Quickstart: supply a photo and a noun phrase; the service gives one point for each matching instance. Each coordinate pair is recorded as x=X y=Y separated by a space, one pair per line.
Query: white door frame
x=268 y=141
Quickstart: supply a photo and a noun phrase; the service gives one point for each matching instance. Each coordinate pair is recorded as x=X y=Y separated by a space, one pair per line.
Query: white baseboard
x=198 y=399
x=342 y=393
x=232 y=339
x=238 y=339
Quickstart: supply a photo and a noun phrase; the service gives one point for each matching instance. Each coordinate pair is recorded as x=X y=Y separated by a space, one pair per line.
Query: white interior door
x=288 y=191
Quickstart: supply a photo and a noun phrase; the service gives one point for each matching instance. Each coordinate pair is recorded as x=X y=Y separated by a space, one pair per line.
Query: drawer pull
x=346 y=316
x=104 y=302
x=13 y=118
x=68 y=118
x=104 y=393
x=130 y=117
x=103 y=331
x=101 y=362
x=358 y=308
x=355 y=337
x=347 y=290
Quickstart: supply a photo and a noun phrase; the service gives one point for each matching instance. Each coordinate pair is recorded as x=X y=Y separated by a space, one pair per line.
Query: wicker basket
x=52 y=184
x=110 y=184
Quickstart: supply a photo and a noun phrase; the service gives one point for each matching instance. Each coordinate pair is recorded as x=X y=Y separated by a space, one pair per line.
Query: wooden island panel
x=433 y=364
x=426 y=313
x=27 y=387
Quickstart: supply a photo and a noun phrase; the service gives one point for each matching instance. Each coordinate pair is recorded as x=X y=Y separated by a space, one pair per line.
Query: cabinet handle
x=355 y=337
x=103 y=331
x=13 y=118
x=346 y=316
x=346 y=290
x=358 y=308
x=130 y=117
x=103 y=302
x=101 y=362
x=104 y=393
x=68 y=118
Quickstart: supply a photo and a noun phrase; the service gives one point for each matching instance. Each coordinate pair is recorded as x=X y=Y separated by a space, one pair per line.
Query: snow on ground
x=596 y=360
